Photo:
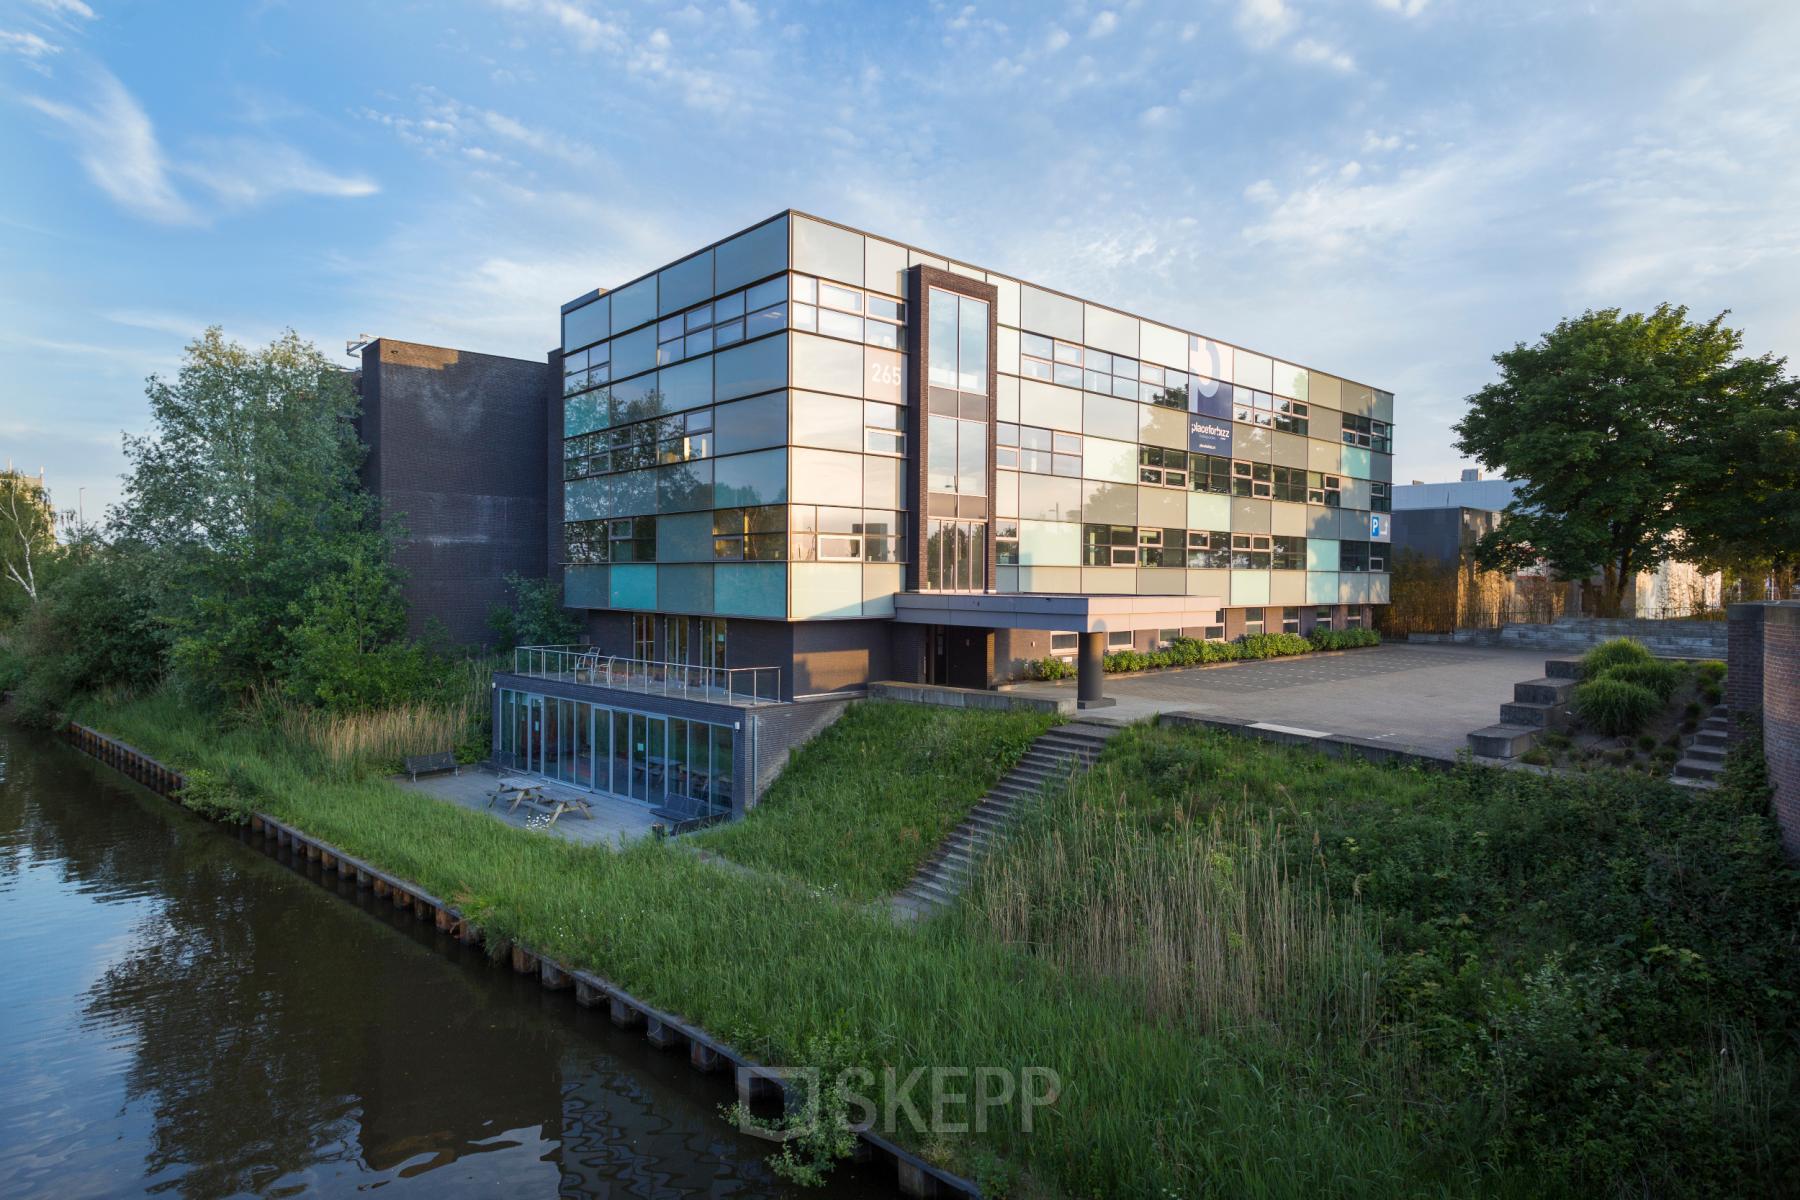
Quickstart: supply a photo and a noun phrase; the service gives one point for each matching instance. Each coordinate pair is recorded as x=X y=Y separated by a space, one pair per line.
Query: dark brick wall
x=906 y=661
x=1744 y=659
x=782 y=729
x=1781 y=716
x=835 y=656
x=1762 y=688
x=454 y=441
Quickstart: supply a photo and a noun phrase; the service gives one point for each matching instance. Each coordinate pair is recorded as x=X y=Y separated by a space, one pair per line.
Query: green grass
x=866 y=802
x=1256 y=970
x=1589 y=981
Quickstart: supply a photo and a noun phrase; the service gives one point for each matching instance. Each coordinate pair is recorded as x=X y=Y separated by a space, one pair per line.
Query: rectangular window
x=1324 y=489
x=1353 y=618
x=1381 y=497
x=1118 y=639
x=1166 y=638
x=1290 y=620
x=1251 y=551
x=1322 y=617
x=1353 y=556
x=1253 y=620
x=643 y=636
x=1064 y=644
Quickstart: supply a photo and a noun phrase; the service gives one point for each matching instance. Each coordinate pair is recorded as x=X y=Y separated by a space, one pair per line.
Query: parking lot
x=1424 y=698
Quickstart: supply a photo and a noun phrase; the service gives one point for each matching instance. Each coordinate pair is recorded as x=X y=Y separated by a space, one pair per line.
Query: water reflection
x=184 y=1014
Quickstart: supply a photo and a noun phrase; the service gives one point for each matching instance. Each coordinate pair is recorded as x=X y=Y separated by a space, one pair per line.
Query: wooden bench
x=425 y=764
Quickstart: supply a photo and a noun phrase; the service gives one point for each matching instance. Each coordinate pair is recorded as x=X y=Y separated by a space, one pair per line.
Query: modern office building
x=805 y=458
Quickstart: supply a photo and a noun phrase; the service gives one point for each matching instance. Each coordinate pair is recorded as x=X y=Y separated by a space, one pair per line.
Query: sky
x=1388 y=190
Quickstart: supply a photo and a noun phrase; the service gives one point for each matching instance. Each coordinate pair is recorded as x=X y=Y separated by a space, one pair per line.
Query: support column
x=1090 y=678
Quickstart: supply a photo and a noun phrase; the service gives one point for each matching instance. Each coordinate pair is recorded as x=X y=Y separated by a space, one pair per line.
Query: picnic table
x=531 y=794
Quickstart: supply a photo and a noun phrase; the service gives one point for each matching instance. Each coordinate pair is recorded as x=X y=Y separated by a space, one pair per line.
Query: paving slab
x=1423 y=698
x=615 y=821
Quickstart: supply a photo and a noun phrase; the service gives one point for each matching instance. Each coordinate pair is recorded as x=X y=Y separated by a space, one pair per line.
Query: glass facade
x=681 y=766
x=743 y=414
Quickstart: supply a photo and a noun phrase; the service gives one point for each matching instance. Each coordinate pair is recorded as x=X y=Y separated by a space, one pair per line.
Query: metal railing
x=584 y=664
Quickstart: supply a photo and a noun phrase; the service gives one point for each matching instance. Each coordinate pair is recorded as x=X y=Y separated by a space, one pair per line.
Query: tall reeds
x=1204 y=922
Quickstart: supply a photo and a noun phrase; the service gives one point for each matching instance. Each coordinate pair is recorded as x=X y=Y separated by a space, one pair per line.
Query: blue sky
x=1388 y=189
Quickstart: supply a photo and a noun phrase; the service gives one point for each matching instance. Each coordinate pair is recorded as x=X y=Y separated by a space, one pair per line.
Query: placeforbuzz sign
x=1209 y=417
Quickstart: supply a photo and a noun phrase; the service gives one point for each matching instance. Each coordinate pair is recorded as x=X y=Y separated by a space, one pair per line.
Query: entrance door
x=649 y=761
x=959 y=657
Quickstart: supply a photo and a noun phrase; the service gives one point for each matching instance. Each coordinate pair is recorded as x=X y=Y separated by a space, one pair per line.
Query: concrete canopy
x=1056 y=613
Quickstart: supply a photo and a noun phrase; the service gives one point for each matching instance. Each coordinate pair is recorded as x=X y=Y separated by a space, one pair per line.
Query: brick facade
x=1763 y=685
x=453 y=440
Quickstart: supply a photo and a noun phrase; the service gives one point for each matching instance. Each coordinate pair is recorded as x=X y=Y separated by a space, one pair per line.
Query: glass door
x=532 y=744
x=649 y=762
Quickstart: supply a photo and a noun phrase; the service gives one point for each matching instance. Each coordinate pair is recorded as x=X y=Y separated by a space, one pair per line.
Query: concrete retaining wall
x=1668 y=639
x=949 y=697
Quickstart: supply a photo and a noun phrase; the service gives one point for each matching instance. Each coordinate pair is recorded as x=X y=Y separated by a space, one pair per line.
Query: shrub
x=1615 y=706
x=1049 y=668
x=1274 y=645
x=1606 y=655
x=1655 y=674
x=1344 y=639
x=1710 y=670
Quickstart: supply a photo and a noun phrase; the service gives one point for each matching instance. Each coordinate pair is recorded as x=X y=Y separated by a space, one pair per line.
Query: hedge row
x=1189 y=652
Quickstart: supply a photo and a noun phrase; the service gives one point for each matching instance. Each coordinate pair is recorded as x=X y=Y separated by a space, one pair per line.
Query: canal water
x=187 y=1014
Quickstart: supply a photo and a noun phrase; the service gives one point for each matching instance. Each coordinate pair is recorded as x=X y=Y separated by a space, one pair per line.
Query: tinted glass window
x=686 y=283
x=632 y=306
x=752 y=255
x=589 y=323
x=752 y=367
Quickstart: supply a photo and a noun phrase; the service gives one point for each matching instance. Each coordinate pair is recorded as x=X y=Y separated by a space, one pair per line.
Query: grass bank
x=869 y=799
x=1591 y=981
x=1255 y=970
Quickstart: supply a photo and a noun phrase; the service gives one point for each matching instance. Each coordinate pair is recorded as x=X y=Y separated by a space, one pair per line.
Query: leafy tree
x=1742 y=511
x=27 y=540
x=536 y=616
x=248 y=492
x=347 y=649
x=95 y=626
x=1605 y=420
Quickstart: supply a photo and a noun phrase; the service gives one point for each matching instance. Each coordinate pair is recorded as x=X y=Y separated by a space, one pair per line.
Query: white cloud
x=117 y=146
x=66 y=8
x=589 y=31
x=1104 y=23
x=1375 y=143
x=1055 y=39
x=1406 y=8
x=1264 y=22
x=243 y=172
x=1157 y=116
x=1313 y=51
x=27 y=45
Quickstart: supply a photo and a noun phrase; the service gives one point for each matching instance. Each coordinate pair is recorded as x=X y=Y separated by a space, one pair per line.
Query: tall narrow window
x=643 y=636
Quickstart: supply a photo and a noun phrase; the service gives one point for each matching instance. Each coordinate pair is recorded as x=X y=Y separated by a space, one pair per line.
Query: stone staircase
x=1537 y=705
x=1049 y=761
x=1703 y=760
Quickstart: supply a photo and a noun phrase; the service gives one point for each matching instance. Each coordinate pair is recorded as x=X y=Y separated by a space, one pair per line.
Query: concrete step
x=1535 y=716
x=1699 y=785
x=1699 y=768
x=1563 y=668
x=1502 y=741
x=1710 y=753
x=1544 y=691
